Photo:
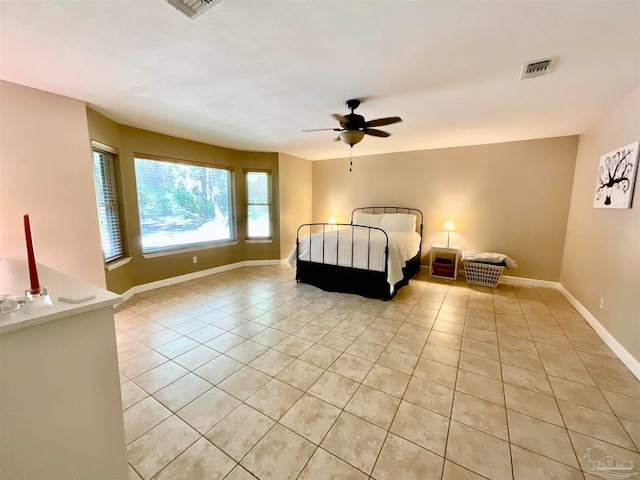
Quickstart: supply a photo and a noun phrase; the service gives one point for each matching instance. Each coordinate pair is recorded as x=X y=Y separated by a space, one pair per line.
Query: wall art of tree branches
x=616 y=177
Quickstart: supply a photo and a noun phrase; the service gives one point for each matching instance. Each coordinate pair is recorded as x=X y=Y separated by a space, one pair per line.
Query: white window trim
x=195 y=248
x=270 y=205
x=105 y=148
x=122 y=260
x=117 y=263
x=171 y=250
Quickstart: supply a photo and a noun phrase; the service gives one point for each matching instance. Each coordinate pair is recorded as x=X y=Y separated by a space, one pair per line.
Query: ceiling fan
x=354 y=127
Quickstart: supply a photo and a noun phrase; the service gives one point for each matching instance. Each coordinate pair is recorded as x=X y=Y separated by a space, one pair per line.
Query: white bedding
x=402 y=247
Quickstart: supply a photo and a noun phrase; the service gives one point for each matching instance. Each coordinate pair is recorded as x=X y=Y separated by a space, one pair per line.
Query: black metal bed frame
x=337 y=278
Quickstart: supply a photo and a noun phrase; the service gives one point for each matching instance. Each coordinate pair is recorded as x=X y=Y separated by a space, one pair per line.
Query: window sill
x=176 y=251
x=259 y=240
x=117 y=263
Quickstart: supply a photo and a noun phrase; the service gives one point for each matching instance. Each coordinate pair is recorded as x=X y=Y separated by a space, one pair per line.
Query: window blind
x=108 y=211
x=259 y=199
x=183 y=204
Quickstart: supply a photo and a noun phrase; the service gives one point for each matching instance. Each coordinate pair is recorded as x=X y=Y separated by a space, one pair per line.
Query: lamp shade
x=351 y=137
x=449 y=226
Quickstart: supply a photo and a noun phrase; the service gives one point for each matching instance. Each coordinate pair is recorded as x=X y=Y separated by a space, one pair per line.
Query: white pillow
x=398 y=222
x=367 y=219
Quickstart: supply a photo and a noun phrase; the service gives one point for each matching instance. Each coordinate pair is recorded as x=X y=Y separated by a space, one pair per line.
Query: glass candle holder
x=31 y=294
x=36 y=299
x=8 y=304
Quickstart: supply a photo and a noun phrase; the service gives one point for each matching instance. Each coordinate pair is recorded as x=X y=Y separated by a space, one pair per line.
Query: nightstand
x=443 y=262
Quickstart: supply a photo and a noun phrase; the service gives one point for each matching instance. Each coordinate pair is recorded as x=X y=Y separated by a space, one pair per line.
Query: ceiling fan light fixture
x=351 y=137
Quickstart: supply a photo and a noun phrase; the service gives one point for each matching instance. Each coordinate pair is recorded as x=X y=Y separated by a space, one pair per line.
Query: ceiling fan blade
x=381 y=122
x=321 y=129
x=376 y=133
x=339 y=118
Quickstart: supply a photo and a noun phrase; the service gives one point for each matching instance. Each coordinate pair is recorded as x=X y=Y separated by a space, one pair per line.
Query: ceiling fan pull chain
x=350 y=158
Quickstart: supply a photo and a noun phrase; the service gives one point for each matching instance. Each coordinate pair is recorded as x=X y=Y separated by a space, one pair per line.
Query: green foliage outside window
x=181 y=205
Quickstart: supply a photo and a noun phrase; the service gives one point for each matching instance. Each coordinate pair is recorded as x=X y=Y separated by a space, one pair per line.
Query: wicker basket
x=482 y=274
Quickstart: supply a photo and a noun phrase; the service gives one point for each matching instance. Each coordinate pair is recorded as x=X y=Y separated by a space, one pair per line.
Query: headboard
x=375 y=210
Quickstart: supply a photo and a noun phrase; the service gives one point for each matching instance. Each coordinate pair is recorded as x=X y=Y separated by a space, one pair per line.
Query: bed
x=373 y=256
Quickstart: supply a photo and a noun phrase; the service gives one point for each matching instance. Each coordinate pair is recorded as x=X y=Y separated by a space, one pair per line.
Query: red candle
x=33 y=272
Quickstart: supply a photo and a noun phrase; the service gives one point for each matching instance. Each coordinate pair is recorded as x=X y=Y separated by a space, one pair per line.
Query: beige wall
x=511 y=198
x=295 y=198
x=145 y=270
x=46 y=171
x=602 y=249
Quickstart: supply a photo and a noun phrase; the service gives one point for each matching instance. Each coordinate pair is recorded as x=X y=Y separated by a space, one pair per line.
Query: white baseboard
x=621 y=352
x=508 y=280
x=128 y=294
x=190 y=276
x=530 y=282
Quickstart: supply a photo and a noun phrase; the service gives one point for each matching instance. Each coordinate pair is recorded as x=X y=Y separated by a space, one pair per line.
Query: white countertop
x=14 y=280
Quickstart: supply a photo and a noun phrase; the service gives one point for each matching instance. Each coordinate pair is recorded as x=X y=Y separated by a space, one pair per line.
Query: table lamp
x=448 y=226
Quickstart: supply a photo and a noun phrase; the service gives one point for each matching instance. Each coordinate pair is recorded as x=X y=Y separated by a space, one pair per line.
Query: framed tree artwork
x=616 y=177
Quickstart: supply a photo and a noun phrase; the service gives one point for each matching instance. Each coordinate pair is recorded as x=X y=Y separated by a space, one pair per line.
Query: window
x=183 y=205
x=258 y=188
x=104 y=159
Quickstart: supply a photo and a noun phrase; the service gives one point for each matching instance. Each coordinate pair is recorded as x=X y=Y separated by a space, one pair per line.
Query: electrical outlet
x=195 y=259
x=601 y=303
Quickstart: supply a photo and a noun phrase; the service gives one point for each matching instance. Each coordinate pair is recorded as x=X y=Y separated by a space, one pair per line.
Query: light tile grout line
x=192 y=371
x=555 y=400
x=605 y=398
x=252 y=407
x=554 y=397
x=402 y=399
x=420 y=356
x=504 y=396
x=345 y=377
x=243 y=402
x=277 y=422
x=596 y=386
x=446 y=443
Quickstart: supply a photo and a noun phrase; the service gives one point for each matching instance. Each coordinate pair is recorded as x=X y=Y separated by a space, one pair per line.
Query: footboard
x=343 y=258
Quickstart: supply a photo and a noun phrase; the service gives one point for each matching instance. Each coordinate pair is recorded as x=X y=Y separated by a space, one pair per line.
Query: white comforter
x=402 y=247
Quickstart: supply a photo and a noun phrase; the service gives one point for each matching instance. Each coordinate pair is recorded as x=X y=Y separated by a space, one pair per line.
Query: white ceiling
x=250 y=74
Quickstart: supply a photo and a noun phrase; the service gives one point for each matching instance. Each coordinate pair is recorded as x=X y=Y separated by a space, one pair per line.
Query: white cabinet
x=61 y=412
x=443 y=261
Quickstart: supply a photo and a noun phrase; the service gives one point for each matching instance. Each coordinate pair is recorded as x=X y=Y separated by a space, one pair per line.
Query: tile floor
x=246 y=374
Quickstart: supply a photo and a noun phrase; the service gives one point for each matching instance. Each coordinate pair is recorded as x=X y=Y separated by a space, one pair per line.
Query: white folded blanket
x=488 y=257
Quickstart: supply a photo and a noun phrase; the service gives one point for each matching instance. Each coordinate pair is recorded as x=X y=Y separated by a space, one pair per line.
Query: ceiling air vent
x=536 y=68
x=193 y=8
